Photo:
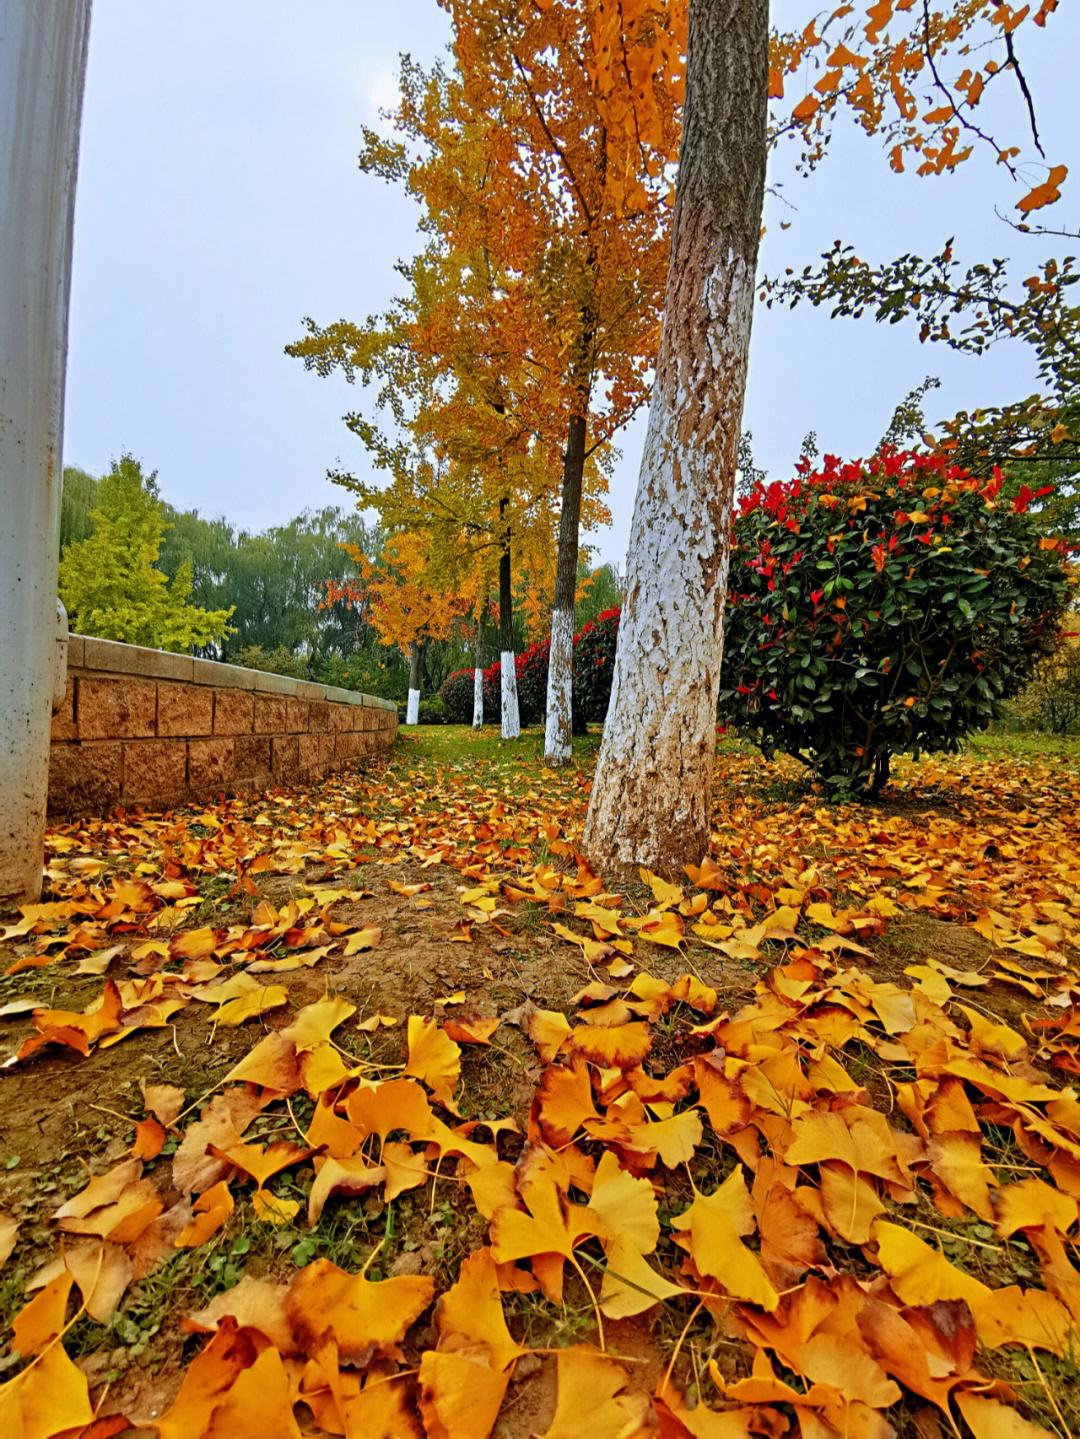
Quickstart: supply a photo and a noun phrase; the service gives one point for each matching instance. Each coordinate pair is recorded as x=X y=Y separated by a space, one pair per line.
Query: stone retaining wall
x=140 y=726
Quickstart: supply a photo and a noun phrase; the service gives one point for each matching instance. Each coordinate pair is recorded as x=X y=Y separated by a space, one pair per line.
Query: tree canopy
x=109 y=582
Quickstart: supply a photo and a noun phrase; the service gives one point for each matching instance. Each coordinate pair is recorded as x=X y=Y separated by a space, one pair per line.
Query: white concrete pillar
x=42 y=71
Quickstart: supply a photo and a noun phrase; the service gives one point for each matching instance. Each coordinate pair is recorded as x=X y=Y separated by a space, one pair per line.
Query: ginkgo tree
x=464 y=464
x=650 y=798
x=567 y=115
x=404 y=602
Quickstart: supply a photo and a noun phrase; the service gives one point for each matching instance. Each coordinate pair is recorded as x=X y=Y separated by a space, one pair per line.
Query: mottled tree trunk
x=412 y=714
x=511 y=722
x=558 y=733
x=651 y=792
x=478 y=673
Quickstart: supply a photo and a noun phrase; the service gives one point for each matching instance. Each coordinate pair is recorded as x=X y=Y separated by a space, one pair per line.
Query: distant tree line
x=135 y=568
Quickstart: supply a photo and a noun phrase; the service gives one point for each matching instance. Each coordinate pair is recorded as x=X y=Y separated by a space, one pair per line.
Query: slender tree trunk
x=558 y=733
x=42 y=71
x=511 y=722
x=478 y=672
x=651 y=792
x=412 y=714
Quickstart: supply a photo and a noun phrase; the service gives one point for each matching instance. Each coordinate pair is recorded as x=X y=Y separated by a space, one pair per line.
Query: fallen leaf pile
x=845 y=1195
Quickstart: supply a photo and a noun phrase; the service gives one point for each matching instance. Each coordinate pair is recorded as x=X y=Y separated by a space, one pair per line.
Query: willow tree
x=651 y=796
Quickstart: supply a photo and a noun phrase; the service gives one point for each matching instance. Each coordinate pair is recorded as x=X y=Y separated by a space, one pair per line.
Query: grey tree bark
x=651 y=792
x=42 y=72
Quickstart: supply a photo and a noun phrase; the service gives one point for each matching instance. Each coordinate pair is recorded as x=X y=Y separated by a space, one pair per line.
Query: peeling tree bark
x=651 y=792
x=558 y=741
x=42 y=72
x=511 y=722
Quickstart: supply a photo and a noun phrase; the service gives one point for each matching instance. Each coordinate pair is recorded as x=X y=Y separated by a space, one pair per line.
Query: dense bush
x=594 y=660
x=532 y=678
x=1052 y=699
x=431 y=711
x=882 y=608
x=278 y=661
x=594 y=665
x=457 y=697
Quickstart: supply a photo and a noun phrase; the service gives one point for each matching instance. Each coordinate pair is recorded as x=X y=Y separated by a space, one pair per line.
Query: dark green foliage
x=594 y=665
x=883 y=608
x=532 y=678
x=431 y=711
x=457 y=697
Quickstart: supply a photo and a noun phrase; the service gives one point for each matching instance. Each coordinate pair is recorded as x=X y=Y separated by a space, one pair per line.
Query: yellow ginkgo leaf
x=594 y=1386
x=434 y=1059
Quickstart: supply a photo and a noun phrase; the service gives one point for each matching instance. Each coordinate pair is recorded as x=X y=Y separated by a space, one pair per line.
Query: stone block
x=348 y=744
x=269 y=684
x=319 y=717
x=327 y=743
x=75 y=652
x=116 y=708
x=226 y=677
x=155 y=769
x=234 y=711
x=370 y=719
x=284 y=755
x=85 y=778
x=185 y=710
x=63 y=721
x=296 y=716
x=309 y=751
x=115 y=658
x=210 y=763
x=251 y=756
x=270 y=714
x=305 y=690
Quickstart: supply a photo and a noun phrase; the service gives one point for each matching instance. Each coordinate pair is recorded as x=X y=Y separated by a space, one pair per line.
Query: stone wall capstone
x=145 y=727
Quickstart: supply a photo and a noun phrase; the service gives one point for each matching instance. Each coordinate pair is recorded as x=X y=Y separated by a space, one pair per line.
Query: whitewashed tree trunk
x=558 y=728
x=558 y=731
x=651 y=791
x=42 y=72
x=478 y=698
x=511 y=719
x=478 y=675
x=511 y=716
x=412 y=709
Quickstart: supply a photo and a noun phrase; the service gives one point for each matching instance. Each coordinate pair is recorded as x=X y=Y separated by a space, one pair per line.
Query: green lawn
x=459 y=744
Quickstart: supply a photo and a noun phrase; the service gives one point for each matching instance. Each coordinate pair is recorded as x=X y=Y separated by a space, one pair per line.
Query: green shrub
x=431 y=711
x=881 y=608
x=457 y=697
x=278 y=661
x=594 y=666
x=1052 y=699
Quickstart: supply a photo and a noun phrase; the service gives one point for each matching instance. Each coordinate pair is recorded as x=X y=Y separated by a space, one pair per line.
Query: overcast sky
x=219 y=202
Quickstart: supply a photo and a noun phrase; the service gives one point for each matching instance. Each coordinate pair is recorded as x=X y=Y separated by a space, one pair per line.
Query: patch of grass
x=1029 y=744
x=485 y=750
x=1046 y=1386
